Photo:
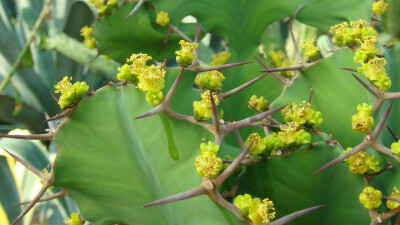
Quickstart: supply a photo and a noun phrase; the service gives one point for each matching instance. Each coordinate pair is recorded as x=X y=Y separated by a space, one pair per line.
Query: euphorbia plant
x=136 y=142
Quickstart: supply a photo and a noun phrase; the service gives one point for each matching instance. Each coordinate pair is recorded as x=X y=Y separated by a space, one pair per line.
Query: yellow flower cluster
x=208 y=164
x=345 y=35
x=148 y=79
x=379 y=7
x=302 y=114
x=103 y=5
x=258 y=103
x=362 y=121
x=89 y=41
x=279 y=59
x=392 y=204
x=185 y=56
x=74 y=220
x=210 y=80
x=220 y=58
x=395 y=147
x=370 y=198
x=202 y=109
x=367 y=50
x=70 y=93
x=375 y=72
x=162 y=18
x=361 y=162
x=311 y=49
x=259 y=212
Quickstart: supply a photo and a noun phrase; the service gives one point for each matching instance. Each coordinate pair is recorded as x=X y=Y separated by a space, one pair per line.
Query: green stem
x=21 y=55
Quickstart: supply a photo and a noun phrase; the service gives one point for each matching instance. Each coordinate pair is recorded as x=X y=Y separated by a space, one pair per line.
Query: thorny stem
x=27 y=165
x=180 y=33
x=368 y=177
x=393 y=134
x=283 y=82
x=44 y=137
x=294 y=215
x=136 y=8
x=45 y=11
x=173 y=88
x=296 y=48
x=215 y=121
x=223 y=96
x=62 y=193
x=197 y=68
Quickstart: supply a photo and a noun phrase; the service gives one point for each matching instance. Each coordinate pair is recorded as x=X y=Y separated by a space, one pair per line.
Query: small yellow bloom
x=70 y=93
x=392 y=204
x=379 y=7
x=362 y=121
x=258 y=103
x=208 y=165
x=74 y=220
x=370 y=198
x=311 y=49
x=259 y=144
x=220 y=58
x=152 y=78
x=162 y=18
x=185 y=56
x=202 y=109
x=266 y=211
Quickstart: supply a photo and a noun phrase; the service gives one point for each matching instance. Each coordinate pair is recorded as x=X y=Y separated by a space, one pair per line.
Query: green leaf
x=124 y=163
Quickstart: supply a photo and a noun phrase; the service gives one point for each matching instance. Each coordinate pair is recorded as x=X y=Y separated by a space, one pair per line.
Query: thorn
x=368 y=87
x=45 y=137
x=63 y=114
x=49 y=123
x=231 y=168
x=276 y=76
x=350 y=69
x=252 y=119
x=197 y=35
x=288 y=68
x=200 y=190
x=215 y=118
x=27 y=165
x=384 y=150
x=227 y=94
x=217 y=67
x=172 y=90
x=238 y=137
x=355 y=150
x=54 y=97
x=170 y=31
x=272 y=126
x=393 y=134
x=95 y=57
x=180 y=33
x=136 y=8
x=294 y=215
x=296 y=48
x=62 y=193
x=392 y=199
x=379 y=127
x=311 y=93
x=151 y=112
x=33 y=202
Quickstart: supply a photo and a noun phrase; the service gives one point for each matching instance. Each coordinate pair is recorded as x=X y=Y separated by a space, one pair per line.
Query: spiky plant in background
x=128 y=144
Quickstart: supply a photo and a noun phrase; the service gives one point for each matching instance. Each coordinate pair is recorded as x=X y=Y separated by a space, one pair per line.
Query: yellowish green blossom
x=259 y=144
x=74 y=220
x=211 y=80
x=162 y=18
x=302 y=114
x=358 y=163
x=392 y=204
x=208 y=164
x=367 y=50
x=99 y=4
x=362 y=121
x=70 y=93
x=279 y=59
x=209 y=147
x=202 y=109
x=395 y=147
x=185 y=56
x=152 y=78
x=379 y=7
x=345 y=35
x=311 y=49
x=290 y=137
x=88 y=41
x=125 y=72
x=375 y=72
x=244 y=202
x=154 y=97
x=371 y=198
x=220 y=58
x=258 y=103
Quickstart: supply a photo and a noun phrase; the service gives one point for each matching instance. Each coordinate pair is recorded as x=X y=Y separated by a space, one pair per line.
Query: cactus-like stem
x=244 y=122
x=200 y=190
x=371 y=89
x=355 y=150
x=235 y=210
x=296 y=48
x=136 y=8
x=392 y=212
x=393 y=134
x=168 y=111
x=391 y=95
x=215 y=118
x=386 y=151
x=283 y=82
x=227 y=94
x=238 y=137
x=63 y=114
x=228 y=171
x=290 y=68
x=381 y=123
x=267 y=118
x=27 y=165
x=62 y=193
x=294 y=215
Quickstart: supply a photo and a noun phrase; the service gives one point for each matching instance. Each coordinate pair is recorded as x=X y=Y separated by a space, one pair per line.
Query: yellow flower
x=371 y=198
x=70 y=93
x=258 y=103
x=210 y=80
x=379 y=7
x=74 y=220
x=185 y=56
x=259 y=144
x=162 y=18
x=202 y=109
x=266 y=211
x=392 y=204
x=208 y=164
x=359 y=163
x=243 y=202
x=86 y=32
x=220 y=58
x=362 y=121
x=152 y=78
x=311 y=49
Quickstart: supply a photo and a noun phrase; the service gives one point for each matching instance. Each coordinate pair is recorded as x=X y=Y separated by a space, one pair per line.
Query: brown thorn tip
x=294 y=215
x=381 y=122
x=392 y=199
x=349 y=69
x=393 y=134
x=25 y=164
x=137 y=6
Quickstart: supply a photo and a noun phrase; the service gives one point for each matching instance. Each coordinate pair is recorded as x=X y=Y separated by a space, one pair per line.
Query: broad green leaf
x=9 y=194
